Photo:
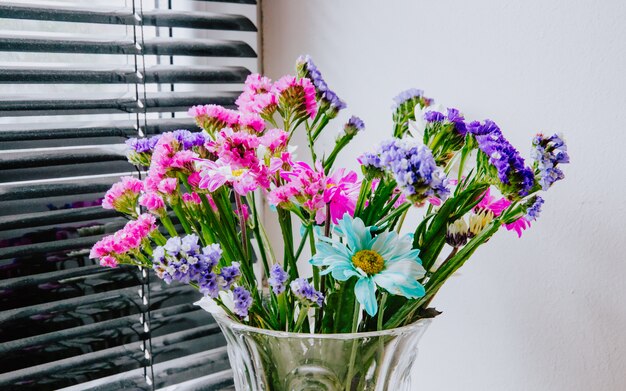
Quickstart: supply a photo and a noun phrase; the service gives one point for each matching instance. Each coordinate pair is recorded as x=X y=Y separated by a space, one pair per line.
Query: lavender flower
x=229 y=274
x=328 y=98
x=304 y=291
x=413 y=167
x=278 y=279
x=405 y=96
x=353 y=126
x=434 y=116
x=454 y=116
x=510 y=166
x=534 y=208
x=188 y=139
x=548 y=152
x=181 y=260
x=140 y=150
x=242 y=300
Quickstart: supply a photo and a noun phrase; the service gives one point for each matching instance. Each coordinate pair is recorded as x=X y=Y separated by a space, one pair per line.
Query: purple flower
x=370 y=160
x=307 y=68
x=142 y=145
x=188 y=140
x=406 y=95
x=353 y=126
x=242 y=300
x=434 y=116
x=455 y=117
x=180 y=260
x=303 y=290
x=229 y=274
x=414 y=169
x=548 y=152
x=278 y=279
x=533 y=211
x=509 y=164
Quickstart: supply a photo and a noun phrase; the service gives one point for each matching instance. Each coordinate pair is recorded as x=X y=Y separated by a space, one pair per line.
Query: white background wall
x=547 y=312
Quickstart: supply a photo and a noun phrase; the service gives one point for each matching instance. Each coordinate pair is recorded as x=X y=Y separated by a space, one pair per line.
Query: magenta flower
x=296 y=95
x=257 y=97
x=123 y=195
x=153 y=202
x=313 y=190
x=490 y=203
x=217 y=174
x=213 y=118
x=126 y=240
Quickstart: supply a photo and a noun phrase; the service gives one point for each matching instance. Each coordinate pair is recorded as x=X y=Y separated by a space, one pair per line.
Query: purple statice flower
x=434 y=116
x=229 y=274
x=507 y=161
x=370 y=160
x=533 y=211
x=242 y=300
x=406 y=95
x=548 y=153
x=278 y=279
x=304 y=291
x=454 y=116
x=414 y=169
x=143 y=145
x=353 y=126
x=307 y=68
x=188 y=139
x=181 y=259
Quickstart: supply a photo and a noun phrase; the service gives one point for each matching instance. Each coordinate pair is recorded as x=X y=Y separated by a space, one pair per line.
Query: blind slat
x=106 y=103
x=121 y=128
x=54 y=217
x=157 y=17
x=156 y=74
x=152 y=46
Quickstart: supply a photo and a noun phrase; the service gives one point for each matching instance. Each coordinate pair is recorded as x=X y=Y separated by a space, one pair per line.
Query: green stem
x=301 y=317
x=181 y=217
x=355 y=319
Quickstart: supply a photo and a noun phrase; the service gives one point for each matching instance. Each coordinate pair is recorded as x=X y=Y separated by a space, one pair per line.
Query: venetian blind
x=77 y=79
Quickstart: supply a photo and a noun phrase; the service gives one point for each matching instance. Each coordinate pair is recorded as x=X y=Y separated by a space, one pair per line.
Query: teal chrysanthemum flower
x=386 y=261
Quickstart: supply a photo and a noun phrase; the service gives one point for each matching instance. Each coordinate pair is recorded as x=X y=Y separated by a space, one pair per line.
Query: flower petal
x=365 y=291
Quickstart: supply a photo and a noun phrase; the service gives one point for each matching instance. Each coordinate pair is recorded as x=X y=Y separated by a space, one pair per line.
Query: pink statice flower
x=192 y=198
x=194 y=179
x=296 y=96
x=274 y=140
x=112 y=249
x=184 y=160
x=236 y=148
x=212 y=118
x=313 y=190
x=168 y=185
x=251 y=122
x=153 y=202
x=257 y=97
x=123 y=195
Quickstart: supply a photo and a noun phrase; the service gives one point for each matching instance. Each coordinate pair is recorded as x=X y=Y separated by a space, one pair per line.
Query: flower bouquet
x=350 y=315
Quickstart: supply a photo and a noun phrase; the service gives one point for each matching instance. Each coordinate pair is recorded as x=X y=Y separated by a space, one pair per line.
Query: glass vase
x=264 y=360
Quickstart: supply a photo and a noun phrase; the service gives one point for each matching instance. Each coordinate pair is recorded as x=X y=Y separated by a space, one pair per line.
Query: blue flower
x=386 y=261
x=278 y=279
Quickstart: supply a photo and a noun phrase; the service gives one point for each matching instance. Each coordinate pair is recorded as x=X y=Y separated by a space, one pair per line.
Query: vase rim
x=419 y=324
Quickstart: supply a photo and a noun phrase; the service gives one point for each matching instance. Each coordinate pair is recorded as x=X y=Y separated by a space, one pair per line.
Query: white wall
x=547 y=312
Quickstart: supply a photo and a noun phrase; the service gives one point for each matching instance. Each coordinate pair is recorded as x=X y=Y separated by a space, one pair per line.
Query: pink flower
x=244 y=213
x=123 y=195
x=251 y=121
x=192 y=198
x=284 y=162
x=238 y=149
x=194 y=179
x=256 y=96
x=496 y=207
x=488 y=202
x=313 y=190
x=153 y=202
x=212 y=118
x=184 y=160
x=168 y=185
x=297 y=94
x=274 y=139
x=216 y=174
x=108 y=261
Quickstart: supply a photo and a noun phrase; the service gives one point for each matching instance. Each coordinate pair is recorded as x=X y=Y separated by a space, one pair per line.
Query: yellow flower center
x=369 y=261
x=330 y=185
x=238 y=172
